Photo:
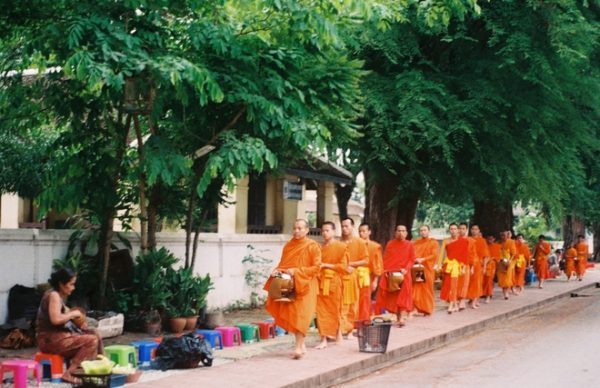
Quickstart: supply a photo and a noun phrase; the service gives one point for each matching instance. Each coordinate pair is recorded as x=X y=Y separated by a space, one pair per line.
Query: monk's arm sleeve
x=343 y=265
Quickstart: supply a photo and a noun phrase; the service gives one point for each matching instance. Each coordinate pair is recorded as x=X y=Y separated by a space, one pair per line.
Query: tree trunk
x=596 y=231
x=107 y=224
x=153 y=215
x=142 y=186
x=343 y=193
x=407 y=209
x=189 y=218
x=381 y=209
x=493 y=217
x=572 y=226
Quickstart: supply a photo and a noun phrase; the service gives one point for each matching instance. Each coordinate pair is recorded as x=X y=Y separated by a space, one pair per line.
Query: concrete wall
x=26 y=258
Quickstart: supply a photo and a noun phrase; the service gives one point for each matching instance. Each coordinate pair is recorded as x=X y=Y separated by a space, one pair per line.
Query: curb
x=380 y=361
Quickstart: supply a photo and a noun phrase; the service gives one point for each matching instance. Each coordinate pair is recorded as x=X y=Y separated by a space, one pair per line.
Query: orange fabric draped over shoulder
x=508 y=250
x=490 y=269
x=398 y=255
x=456 y=251
x=305 y=255
x=523 y=258
x=542 y=250
x=570 y=256
x=359 y=297
x=476 y=281
x=375 y=258
x=423 y=295
x=582 y=256
x=329 y=301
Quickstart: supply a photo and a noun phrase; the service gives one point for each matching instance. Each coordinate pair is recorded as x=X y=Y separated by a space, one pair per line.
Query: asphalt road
x=554 y=347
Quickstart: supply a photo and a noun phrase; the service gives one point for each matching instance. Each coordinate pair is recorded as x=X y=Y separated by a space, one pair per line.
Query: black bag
x=184 y=352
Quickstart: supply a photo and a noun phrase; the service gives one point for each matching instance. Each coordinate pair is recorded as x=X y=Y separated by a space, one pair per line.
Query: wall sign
x=292 y=190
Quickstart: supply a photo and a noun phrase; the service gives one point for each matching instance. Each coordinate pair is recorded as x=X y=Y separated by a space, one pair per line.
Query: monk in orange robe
x=375 y=257
x=506 y=265
x=454 y=258
x=582 y=257
x=522 y=262
x=490 y=267
x=357 y=283
x=301 y=258
x=465 y=275
x=540 y=254
x=399 y=256
x=570 y=256
x=481 y=253
x=426 y=251
x=334 y=262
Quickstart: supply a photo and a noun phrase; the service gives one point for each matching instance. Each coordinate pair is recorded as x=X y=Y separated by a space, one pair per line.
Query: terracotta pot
x=214 y=319
x=190 y=323
x=177 y=325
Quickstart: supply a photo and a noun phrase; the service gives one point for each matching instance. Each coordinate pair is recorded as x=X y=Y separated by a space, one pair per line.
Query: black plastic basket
x=373 y=336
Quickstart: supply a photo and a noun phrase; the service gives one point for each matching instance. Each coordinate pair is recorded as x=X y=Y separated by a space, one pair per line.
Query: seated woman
x=56 y=332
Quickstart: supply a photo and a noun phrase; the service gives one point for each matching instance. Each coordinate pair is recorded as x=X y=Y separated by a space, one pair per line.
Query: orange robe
x=329 y=301
x=508 y=251
x=456 y=260
x=398 y=255
x=582 y=256
x=542 y=250
x=570 y=256
x=476 y=281
x=305 y=255
x=423 y=295
x=490 y=269
x=522 y=262
x=465 y=274
x=375 y=266
x=357 y=298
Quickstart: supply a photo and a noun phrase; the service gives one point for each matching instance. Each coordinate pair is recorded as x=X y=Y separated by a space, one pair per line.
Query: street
x=552 y=347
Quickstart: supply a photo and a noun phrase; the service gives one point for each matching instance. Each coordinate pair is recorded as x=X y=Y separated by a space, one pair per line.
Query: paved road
x=556 y=347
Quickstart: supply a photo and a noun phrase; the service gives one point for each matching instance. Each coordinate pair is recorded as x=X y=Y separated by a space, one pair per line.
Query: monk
x=375 y=257
x=490 y=267
x=506 y=265
x=301 y=258
x=399 y=256
x=426 y=252
x=334 y=262
x=481 y=254
x=522 y=262
x=570 y=256
x=466 y=271
x=357 y=283
x=454 y=258
x=582 y=257
x=540 y=254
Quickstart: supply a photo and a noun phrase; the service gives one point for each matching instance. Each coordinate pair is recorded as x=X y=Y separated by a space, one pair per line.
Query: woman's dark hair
x=63 y=275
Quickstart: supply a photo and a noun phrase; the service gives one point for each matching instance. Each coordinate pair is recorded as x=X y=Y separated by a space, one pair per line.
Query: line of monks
x=336 y=280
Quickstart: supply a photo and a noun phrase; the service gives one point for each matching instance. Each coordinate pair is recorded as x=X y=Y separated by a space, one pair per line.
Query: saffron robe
x=570 y=256
x=582 y=256
x=522 y=262
x=375 y=268
x=542 y=250
x=490 y=269
x=329 y=301
x=423 y=295
x=476 y=280
x=305 y=255
x=399 y=254
x=456 y=260
x=508 y=251
x=354 y=293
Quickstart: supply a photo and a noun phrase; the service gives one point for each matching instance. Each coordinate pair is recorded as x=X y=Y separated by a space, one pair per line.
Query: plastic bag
x=186 y=351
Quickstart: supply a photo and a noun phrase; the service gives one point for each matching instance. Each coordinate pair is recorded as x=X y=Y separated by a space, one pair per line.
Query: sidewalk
x=268 y=363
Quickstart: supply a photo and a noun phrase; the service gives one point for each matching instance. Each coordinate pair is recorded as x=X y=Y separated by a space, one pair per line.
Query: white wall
x=26 y=258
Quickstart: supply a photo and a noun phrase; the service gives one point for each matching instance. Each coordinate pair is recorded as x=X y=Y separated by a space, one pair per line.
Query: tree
x=479 y=111
x=251 y=82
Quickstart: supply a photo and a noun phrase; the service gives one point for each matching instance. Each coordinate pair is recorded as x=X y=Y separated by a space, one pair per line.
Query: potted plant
x=188 y=296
